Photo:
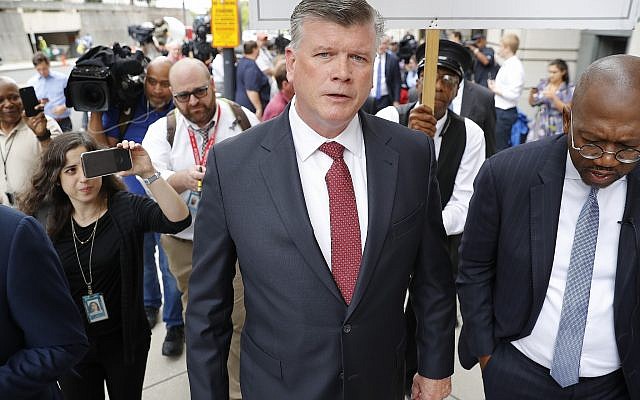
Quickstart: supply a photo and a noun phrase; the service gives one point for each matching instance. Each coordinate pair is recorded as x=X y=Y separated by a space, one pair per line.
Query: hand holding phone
x=105 y=162
x=29 y=101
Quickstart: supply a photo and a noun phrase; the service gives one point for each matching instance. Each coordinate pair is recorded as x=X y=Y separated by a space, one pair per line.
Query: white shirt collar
x=307 y=141
x=440 y=123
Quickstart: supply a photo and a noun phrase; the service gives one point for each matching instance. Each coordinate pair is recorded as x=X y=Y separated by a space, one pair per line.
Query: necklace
x=75 y=246
x=83 y=242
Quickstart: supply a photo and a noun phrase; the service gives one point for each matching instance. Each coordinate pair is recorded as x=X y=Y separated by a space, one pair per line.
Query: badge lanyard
x=94 y=304
x=202 y=159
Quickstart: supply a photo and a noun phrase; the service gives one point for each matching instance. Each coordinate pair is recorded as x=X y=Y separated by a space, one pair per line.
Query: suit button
x=346 y=328
x=341 y=375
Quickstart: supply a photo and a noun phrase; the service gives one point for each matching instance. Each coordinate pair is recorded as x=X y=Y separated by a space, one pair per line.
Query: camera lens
x=94 y=95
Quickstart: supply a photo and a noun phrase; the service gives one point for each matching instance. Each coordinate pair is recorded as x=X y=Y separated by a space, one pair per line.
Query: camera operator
x=112 y=127
x=22 y=139
x=484 y=67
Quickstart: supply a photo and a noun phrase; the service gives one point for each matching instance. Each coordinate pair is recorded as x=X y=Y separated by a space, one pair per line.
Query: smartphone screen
x=105 y=162
x=29 y=101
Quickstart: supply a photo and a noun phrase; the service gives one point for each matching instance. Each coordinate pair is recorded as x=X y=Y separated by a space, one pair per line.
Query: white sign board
x=474 y=14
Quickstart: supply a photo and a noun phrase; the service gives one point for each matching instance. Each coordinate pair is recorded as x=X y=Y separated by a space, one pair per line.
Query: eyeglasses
x=448 y=80
x=592 y=151
x=153 y=82
x=199 y=93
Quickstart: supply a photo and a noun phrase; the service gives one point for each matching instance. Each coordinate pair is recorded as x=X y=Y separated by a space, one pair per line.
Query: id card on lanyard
x=201 y=159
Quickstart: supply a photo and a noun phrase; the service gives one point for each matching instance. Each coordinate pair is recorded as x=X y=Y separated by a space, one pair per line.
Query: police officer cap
x=451 y=55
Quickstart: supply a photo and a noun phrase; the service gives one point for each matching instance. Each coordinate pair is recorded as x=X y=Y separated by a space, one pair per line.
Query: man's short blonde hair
x=511 y=41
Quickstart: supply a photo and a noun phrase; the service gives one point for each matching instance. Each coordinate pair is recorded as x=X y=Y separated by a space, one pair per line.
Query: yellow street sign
x=225 y=23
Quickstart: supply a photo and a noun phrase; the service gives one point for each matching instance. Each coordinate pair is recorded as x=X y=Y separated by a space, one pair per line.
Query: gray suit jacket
x=300 y=338
x=507 y=252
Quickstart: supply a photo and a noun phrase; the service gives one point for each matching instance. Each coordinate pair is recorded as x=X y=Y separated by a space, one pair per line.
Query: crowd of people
x=320 y=254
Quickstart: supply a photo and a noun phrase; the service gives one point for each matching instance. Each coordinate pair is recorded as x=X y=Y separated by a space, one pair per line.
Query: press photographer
x=199 y=47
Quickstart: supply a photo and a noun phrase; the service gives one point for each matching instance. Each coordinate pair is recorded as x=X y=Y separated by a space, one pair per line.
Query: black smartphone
x=29 y=101
x=105 y=162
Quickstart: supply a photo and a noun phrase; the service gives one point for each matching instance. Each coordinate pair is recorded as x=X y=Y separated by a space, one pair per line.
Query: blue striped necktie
x=565 y=366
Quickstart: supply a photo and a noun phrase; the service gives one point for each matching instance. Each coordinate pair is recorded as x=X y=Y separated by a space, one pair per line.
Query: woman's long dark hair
x=45 y=189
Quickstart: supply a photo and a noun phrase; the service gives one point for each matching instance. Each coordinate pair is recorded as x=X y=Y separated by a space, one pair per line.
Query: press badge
x=192 y=202
x=94 y=307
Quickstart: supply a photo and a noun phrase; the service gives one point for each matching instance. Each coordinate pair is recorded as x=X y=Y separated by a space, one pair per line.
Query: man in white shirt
x=22 y=139
x=549 y=283
x=507 y=88
x=199 y=123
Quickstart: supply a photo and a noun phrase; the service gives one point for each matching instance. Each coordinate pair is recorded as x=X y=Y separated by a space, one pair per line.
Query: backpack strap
x=238 y=112
x=171 y=126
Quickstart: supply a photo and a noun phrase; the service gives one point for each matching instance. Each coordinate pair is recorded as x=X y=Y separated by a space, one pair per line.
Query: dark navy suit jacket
x=41 y=333
x=478 y=105
x=507 y=252
x=300 y=339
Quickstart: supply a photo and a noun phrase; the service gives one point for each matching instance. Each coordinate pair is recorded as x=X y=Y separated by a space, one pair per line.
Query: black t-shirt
x=105 y=270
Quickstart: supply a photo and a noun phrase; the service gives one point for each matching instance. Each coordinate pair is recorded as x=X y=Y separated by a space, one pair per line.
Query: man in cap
x=484 y=64
x=460 y=151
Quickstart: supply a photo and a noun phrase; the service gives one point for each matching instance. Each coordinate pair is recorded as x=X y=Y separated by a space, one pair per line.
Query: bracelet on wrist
x=148 y=181
x=46 y=136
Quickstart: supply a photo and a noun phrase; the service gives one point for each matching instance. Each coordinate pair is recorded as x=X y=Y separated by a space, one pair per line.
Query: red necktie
x=346 y=251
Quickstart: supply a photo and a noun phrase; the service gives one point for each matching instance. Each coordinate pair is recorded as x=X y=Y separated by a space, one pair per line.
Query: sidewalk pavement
x=166 y=378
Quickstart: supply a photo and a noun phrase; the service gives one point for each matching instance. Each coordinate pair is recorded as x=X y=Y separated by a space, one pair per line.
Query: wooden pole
x=430 y=67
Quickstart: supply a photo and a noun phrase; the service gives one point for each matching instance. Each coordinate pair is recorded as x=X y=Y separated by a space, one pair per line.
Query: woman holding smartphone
x=550 y=97
x=97 y=229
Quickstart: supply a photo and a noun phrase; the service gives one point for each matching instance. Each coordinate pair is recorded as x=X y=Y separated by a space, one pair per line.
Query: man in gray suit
x=330 y=213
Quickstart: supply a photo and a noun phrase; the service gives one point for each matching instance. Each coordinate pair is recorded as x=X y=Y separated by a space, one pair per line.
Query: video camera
x=106 y=77
x=199 y=47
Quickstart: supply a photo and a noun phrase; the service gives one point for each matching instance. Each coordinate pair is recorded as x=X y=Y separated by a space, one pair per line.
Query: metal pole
x=184 y=14
x=229 y=74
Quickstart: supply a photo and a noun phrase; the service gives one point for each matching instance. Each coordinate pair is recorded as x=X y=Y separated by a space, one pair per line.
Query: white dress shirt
x=313 y=166
x=168 y=159
x=509 y=82
x=599 y=351
x=454 y=213
x=384 y=90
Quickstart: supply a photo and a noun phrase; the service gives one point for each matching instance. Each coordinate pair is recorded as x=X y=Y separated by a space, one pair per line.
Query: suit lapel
x=382 y=170
x=280 y=171
x=628 y=244
x=545 y=201
x=465 y=107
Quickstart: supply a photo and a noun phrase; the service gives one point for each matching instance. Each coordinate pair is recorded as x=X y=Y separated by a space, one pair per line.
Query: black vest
x=454 y=141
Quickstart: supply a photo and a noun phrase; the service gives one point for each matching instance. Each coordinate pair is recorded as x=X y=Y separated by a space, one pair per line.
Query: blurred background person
x=550 y=97
x=484 y=64
x=174 y=50
x=253 y=90
x=386 y=79
x=49 y=86
x=97 y=229
x=42 y=336
x=507 y=88
x=286 y=91
x=455 y=36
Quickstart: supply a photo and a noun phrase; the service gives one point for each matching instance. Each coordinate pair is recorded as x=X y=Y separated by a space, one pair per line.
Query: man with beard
x=549 y=284
x=178 y=146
